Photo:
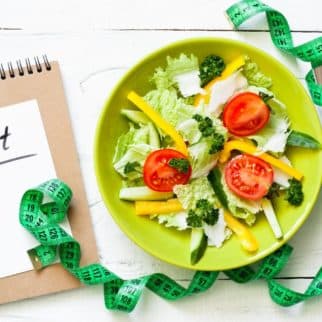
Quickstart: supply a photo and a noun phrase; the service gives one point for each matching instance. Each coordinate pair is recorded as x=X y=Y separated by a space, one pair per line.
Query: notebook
x=36 y=144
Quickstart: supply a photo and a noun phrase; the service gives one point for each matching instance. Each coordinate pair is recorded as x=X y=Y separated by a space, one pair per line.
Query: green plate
x=171 y=245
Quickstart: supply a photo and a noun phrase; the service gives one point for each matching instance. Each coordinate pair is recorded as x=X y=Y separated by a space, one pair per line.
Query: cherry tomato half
x=248 y=176
x=159 y=175
x=245 y=114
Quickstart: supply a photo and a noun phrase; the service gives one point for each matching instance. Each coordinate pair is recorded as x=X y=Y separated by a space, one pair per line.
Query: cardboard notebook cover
x=47 y=88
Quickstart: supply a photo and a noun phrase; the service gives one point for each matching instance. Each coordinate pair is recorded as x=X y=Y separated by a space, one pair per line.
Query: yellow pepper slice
x=251 y=149
x=157 y=207
x=159 y=121
x=245 y=236
x=230 y=69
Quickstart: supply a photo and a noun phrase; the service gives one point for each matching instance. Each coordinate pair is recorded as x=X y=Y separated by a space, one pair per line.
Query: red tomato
x=245 y=114
x=159 y=175
x=248 y=176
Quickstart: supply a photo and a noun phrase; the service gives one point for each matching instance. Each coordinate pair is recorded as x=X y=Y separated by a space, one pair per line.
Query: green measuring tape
x=41 y=220
x=280 y=32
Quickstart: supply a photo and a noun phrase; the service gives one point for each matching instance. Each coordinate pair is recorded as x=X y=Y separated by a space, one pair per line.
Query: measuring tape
x=41 y=220
x=280 y=32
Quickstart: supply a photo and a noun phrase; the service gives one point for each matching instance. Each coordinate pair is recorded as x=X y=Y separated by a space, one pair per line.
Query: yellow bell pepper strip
x=230 y=69
x=245 y=236
x=159 y=121
x=157 y=207
x=249 y=148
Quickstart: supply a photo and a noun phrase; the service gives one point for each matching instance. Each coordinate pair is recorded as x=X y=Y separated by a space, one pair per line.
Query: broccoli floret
x=130 y=166
x=181 y=164
x=197 y=117
x=193 y=219
x=207 y=212
x=218 y=143
x=207 y=129
x=204 y=211
x=211 y=67
x=294 y=194
x=274 y=191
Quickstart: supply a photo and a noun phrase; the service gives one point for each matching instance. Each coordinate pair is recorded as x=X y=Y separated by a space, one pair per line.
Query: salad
x=206 y=150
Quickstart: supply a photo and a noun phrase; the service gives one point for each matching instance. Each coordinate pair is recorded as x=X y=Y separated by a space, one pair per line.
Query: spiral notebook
x=36 y=144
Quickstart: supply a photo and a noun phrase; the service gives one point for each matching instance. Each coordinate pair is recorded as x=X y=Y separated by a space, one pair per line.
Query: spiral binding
x=21 y=71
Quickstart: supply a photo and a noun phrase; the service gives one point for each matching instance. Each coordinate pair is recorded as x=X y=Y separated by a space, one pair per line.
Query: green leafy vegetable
x=294 y=193
x=130 y=166
x=170 y=106
x=165 y=78
x=207 y=129
x=201 y=160
x=205 y=125
x=218 y=143
x=273 y=136
x=274 y=191
x=176 y=220
x=131 y=147
x=207 y=211
x=193 y=219
x=135 y=153
x=166 y=141
x=181 y=164
x=211 y=67
x=189 y=194
x=265 y=97
x=162 y=80
x=254 y=75
x=203 y=212
x=302 y=140
x=181 y=64
x=189 y=130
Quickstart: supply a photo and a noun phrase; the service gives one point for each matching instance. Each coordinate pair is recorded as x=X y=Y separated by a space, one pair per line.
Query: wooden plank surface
x=95 y=43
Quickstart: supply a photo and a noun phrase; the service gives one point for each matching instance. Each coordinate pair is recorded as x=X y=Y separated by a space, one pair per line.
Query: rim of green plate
x=101 y=120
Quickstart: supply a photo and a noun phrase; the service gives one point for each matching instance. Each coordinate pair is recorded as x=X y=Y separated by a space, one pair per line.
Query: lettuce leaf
x=171 y=108
x=189 y=194
x=254 y=75
x=181 y=72
x=181 y=64
x=201 y=160
x=176 y=220
x=189 y=130
x=135 y=153
x=132 y=146
x=273 y=137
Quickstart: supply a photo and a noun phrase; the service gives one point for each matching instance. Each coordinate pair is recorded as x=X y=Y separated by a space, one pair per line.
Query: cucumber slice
x=198 y=245
x=214 y=178
x=137 y=117
x=143 y=193
x=271 y=217
x=154 y=139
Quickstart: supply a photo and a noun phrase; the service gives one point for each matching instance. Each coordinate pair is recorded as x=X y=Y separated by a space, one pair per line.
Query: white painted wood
x=93 y=57
x=42 y=16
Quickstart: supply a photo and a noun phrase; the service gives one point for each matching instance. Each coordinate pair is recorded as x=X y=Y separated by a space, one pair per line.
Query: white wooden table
x=96 y=42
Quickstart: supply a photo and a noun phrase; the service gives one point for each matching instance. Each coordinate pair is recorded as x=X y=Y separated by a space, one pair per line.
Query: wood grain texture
x=96 y=42
x=64 y=15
